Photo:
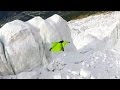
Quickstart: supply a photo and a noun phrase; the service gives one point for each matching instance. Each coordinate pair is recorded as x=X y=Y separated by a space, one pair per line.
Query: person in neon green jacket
x=58 y=46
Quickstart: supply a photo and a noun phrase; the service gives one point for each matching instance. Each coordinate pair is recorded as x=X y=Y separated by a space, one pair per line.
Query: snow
x=96 y=39
x=84 y=73
x=94 y=29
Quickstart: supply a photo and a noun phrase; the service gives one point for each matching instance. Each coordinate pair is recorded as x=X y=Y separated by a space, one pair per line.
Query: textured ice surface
x=97 y=57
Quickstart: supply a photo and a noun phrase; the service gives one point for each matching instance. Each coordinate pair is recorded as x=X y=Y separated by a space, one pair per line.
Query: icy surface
x=98 y=50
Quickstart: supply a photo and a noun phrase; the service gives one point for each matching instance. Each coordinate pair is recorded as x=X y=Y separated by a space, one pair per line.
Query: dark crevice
x=37 y=41
x=10 y=63
x=6 y=58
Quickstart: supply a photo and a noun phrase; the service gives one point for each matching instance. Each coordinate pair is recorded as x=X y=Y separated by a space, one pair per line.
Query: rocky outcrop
x=25 y=45
x=23 y=49
x=53 y=29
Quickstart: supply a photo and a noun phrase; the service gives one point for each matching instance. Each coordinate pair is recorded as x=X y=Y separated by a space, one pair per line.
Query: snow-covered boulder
x=23 y=47
x=35 y=21
x=53 y=29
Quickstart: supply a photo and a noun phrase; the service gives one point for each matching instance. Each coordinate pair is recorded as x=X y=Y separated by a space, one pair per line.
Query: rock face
x=25 y=45
x=5 y=68
x=23 y=49
x=35 y=21
x=53 y=29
